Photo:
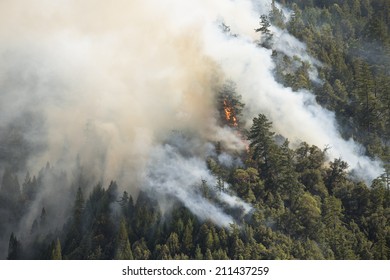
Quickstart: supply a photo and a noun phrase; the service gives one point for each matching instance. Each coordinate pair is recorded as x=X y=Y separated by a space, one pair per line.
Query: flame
x=228 y=110
x=231 y=119
x=234 y=121
x=229 y=113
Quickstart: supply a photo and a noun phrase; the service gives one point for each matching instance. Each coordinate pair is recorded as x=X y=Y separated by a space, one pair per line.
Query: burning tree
x=229 y=113
x=229 y=104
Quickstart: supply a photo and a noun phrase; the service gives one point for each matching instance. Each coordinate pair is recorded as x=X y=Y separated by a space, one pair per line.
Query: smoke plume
x=177 y=169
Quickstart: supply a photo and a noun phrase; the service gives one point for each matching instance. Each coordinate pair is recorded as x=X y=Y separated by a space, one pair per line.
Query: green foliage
x=123 y=249
x=262 y=145
x=302 y=209
x=352 y=39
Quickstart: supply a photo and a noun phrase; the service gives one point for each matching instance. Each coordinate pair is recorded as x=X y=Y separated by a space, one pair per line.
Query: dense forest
x=304 y=205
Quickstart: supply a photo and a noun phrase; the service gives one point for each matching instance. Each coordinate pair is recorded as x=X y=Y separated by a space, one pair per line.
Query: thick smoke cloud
x=107 y=81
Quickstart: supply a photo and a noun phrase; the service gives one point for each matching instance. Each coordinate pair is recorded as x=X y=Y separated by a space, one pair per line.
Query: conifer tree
x=123 y=248
x=56 y=253
x=264 y=29
x=263 y=146
x=14 y=248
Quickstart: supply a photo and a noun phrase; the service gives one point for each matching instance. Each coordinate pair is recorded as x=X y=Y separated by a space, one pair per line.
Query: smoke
x=295 y=115
x=177 y=169
x=106 y=82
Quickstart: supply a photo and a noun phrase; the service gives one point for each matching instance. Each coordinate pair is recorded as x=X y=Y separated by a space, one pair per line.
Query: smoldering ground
x=105 y=82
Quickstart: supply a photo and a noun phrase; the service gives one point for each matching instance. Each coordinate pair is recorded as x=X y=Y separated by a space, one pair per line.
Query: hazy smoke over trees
x=102 y=85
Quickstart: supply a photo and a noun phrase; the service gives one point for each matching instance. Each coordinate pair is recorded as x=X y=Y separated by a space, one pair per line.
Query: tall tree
x=123 y=248
x=230 y=105
x=56 y=253
x=10 y=188
x=276 y=15
x=263 y=145
x=14 y=248
x=266 y=34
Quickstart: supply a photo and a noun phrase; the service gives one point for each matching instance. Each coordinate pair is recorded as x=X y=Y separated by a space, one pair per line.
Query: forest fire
x=230 y=115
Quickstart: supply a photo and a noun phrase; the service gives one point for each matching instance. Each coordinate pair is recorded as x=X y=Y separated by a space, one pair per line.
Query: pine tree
x=173 y=243
x=141 y=250
x=187 y=242
x=162 y=252
x=56 y=253
x=123 y=248
x=276 y=16
x=208 y=255
x=230 y=105
x=43 y=218
x=264 y=29
x=336 y=174
x=198 y=253
x=288 y=177
x=10 y=188
x=74 y=234
x=14 y=248
x=78 y=208
x=263 y=146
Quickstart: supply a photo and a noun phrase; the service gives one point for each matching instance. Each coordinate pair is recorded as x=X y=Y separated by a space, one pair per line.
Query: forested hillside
x=351 y=39
x=297 y=202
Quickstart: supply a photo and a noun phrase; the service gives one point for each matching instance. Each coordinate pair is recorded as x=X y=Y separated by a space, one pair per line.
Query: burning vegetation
x=230 y=109
x=230 y=114
x=230 y=106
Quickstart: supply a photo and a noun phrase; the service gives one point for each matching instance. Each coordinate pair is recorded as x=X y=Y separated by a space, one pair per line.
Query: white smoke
x=174 y=171
x=295 y=115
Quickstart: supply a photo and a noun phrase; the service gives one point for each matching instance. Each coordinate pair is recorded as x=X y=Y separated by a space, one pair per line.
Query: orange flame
x=229 y=113
x=230 y=116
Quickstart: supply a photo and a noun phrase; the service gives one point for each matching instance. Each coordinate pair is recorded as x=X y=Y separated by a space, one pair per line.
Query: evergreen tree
x=187 y=241
x=276 y=16
x=56 y=253
x=263 y=147
x=198 y=253
x=266 y=34
x=10 y=188
x=123 y=248
x=141 y=250
x=230 y=105
x=173 y=243
x=14 y=248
